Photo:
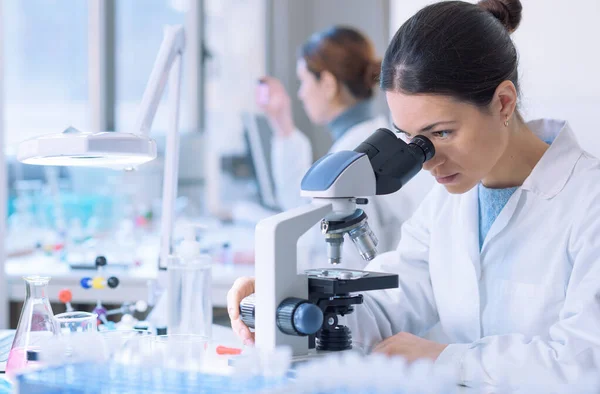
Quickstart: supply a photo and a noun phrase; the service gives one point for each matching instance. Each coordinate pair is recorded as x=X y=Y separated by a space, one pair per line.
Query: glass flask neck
x=37 y=286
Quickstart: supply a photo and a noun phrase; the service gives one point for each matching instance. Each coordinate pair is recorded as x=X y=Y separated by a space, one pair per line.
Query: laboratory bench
x=136 y=283
x=221 y=335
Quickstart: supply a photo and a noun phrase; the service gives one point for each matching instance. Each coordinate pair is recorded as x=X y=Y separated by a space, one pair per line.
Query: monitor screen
x=259 y=134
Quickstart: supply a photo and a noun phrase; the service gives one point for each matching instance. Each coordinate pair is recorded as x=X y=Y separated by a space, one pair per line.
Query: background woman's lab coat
x=527 y=307
x=292 y=157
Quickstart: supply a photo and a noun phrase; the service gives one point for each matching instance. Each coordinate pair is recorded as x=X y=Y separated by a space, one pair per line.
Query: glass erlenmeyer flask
x=37 y=324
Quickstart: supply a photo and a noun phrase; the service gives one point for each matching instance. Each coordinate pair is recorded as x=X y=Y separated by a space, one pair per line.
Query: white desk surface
x=135 y=283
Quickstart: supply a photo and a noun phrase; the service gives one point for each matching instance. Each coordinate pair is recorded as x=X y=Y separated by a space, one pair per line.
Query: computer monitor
x=258 y=135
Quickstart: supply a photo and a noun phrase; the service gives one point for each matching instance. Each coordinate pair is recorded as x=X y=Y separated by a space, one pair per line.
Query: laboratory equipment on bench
x=127 y=309
x=255 y=372
x=66 y=296
x=77 y=321
x=6 y=339
x=329 y=297
x=5 y=387
x=341 y=373
x=116 y=340
x=100 y=282
x=189 y=296
x=182 y=351
x=92 y=378
x=291 y=306
x=36 y=326
x=128 y=150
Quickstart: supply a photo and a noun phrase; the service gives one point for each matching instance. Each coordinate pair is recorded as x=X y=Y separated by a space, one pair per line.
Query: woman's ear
x=329 y=85
x=505 y=99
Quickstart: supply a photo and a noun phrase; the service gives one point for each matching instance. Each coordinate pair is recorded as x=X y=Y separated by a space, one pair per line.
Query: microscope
x=302 y=310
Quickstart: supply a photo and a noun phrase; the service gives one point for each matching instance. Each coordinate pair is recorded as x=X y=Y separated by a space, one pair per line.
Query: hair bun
x=508 y=12
x=372 y=73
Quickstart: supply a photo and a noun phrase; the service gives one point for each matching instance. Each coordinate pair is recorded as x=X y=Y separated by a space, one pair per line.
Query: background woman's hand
x=274 y=101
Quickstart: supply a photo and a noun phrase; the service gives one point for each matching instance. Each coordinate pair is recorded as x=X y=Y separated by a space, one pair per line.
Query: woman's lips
x=444 y=180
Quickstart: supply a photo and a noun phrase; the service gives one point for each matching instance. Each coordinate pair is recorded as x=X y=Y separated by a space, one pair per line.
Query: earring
x=506 y=122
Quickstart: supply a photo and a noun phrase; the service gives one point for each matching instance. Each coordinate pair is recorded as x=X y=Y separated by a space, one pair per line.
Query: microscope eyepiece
x=425 y=145
x=395 y=162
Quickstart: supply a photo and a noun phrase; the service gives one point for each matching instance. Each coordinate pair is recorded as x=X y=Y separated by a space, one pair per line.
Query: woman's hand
x=241 y=289
x=273 y=99
x=409 y=346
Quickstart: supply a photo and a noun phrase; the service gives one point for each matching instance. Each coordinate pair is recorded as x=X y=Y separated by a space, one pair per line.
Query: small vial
x=227 y=254
x=263 y=93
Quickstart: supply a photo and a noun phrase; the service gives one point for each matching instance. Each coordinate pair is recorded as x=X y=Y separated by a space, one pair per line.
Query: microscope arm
x=276 y=273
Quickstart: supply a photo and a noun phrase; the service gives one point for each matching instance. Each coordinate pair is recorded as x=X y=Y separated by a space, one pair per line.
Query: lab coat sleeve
x=291 y=158
x=569 y=349
x=411 y=307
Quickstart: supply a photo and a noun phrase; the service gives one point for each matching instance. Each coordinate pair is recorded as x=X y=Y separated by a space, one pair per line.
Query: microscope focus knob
x=296 y=316
x=247 y=310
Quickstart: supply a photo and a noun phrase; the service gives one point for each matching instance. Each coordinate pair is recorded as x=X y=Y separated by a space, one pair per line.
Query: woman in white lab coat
x=338 y=72
x=503 y=255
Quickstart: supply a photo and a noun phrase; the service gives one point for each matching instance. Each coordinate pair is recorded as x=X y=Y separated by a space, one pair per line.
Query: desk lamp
x=122 y=150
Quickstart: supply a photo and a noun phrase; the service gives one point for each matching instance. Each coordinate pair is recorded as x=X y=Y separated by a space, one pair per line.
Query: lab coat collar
x=552 y=172
x=358 y=113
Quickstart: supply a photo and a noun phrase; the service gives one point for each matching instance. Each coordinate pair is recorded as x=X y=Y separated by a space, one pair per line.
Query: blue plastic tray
x=114 y=378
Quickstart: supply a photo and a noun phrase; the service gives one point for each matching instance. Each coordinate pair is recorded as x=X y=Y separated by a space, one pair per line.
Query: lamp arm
x=171 y=170
x=167 y=66
x=170 y=50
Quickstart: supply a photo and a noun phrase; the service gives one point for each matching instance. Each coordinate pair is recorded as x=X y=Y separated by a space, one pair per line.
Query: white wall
x=559 y=49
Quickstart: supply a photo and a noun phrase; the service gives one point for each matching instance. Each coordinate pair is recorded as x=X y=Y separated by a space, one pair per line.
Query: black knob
x=100 y=261
x=112 y=282
x=247 y=309
x=33 y=355
x=161 y=330
x=426 y=146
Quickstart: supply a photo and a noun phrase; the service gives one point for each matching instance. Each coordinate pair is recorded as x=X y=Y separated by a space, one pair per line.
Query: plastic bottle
x=189 y=288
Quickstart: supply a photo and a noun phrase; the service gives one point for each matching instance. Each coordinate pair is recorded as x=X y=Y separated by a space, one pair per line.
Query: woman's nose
x=435 y=161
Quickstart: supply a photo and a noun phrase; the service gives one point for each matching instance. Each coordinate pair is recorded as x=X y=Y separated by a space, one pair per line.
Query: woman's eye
x=403 y=134
x=442 y=134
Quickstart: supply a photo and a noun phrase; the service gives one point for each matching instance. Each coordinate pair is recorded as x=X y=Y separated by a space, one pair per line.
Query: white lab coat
x=292 y=157
x=525 y=307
